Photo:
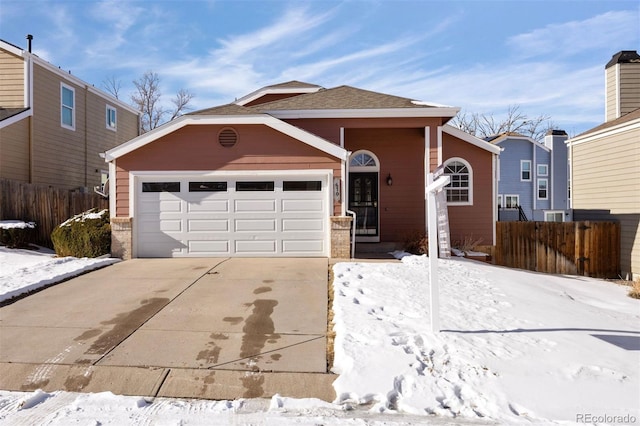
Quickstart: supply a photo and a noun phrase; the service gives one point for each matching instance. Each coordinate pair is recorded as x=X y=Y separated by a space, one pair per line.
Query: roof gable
x=293 y=88
x=473 y=140
x=195 y=119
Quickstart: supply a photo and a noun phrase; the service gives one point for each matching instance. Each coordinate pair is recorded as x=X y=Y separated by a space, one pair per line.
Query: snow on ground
x=516 y=347
x=22 y=271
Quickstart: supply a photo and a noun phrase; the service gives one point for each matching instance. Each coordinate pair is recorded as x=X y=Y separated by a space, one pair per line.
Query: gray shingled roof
x=228 y=109
x=633 y=115
x=10 y=112
x=342 y=97
x=295 y=84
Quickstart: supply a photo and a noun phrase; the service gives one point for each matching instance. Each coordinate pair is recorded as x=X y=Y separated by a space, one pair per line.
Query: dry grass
x=635 y=289
x=331 y=334
x=468 y=244
x=416 y=242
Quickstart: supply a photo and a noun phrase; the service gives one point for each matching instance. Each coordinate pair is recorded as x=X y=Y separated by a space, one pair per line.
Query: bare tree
x=515 y=121
x=147 y=99
x=112 y=85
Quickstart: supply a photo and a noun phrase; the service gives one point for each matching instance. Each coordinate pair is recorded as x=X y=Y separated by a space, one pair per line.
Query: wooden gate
x=573 y=248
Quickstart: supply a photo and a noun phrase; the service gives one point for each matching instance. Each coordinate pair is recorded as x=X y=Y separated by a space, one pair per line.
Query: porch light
x=389 y=180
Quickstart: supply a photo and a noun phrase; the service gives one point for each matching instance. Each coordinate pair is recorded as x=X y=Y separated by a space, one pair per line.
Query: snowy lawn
x=516 y=347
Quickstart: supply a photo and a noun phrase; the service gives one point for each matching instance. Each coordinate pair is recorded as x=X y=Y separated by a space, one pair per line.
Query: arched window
x=364 y=161
x=460 y=188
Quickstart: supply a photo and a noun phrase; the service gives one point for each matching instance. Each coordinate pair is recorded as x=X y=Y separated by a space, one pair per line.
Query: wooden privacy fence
x=575 y=248
x=46 y=206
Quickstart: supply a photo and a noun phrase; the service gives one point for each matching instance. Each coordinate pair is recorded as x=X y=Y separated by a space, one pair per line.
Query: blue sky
x=546 y=56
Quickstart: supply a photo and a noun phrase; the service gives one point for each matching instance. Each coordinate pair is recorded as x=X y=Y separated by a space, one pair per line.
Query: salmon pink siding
x=196 y=148
x=401 y=155
x=475 y=221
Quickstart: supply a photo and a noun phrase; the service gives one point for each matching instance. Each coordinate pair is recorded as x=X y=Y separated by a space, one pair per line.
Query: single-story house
x=277 y=173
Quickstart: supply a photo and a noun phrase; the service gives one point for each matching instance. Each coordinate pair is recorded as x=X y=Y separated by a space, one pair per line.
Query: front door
x=363 y=200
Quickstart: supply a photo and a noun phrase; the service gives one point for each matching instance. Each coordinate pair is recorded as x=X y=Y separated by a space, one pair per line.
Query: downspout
x=86 y=141
x=28 y=95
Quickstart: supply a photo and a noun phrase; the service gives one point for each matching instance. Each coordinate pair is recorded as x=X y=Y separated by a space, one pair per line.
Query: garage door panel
x=209 y=247
x=251 y=206
x=255 y=225
x=295 y=206
x=209 y=206
x=302 y=225
x=302 y=246
x=208 y=225
x=253 y=246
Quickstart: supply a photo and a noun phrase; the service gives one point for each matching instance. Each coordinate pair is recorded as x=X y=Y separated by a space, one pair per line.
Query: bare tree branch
x=112 y=85
x=181 y=101
x=147 y=99
x=514 y=121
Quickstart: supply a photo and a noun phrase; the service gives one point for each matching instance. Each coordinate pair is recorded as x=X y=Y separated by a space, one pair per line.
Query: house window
x=459 y=189
x=543 y=170
x=500 y=201
x=554 y=216
x=67 y=107
x=362 y=159
x=207 y=186
x=255 y=186
x=511 y=201
x=160 y=186
x=304 y=185
x=111 y=118
x=525 y=170
x=542 y=189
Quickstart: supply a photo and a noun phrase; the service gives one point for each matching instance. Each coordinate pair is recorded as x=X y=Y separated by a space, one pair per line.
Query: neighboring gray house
x=533 y=180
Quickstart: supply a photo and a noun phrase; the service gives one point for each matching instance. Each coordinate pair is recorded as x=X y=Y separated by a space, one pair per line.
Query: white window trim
x=546 y=181
x=546 y=168
x=115 y=111
x=73 y=109
x=522 y=163
x=466 y=163
x=516 y=196
x=546 y=212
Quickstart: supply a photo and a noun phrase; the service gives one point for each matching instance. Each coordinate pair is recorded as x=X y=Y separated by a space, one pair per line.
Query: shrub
x=87 y=234
x=416 y=243
x=16 y=233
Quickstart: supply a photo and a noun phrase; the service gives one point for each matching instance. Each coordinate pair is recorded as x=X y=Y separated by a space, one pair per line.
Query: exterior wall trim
x=288 y=129
x=274 y=91
x=15 y=118
x=471 y=139
x=365 y=113
x=621 y=128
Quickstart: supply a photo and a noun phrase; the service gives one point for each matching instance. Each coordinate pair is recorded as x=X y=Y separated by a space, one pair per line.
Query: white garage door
x=221 y=215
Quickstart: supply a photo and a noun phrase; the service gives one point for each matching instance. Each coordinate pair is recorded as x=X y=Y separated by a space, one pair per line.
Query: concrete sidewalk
x=192 y=328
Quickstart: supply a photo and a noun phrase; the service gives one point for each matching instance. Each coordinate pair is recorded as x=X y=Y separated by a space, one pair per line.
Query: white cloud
x=601 y=31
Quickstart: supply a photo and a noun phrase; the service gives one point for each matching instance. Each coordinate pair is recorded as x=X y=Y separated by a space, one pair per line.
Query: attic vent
x=227 y=137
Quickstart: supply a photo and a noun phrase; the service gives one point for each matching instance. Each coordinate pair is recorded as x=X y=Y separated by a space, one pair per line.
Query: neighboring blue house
x=533 y=182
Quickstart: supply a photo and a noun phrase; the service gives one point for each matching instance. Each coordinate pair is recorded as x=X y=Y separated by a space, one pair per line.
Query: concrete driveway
x=195 y=328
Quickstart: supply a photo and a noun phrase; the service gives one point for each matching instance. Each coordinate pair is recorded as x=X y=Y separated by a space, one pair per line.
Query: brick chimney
x=622 y=84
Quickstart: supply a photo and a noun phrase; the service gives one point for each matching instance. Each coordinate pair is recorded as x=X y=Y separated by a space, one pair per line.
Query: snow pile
x=84 y=216
x=16 y=224
x=515 y=346
x=22 y=271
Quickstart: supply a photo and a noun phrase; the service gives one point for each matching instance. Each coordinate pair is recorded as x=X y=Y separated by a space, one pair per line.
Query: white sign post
x=433 y=186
